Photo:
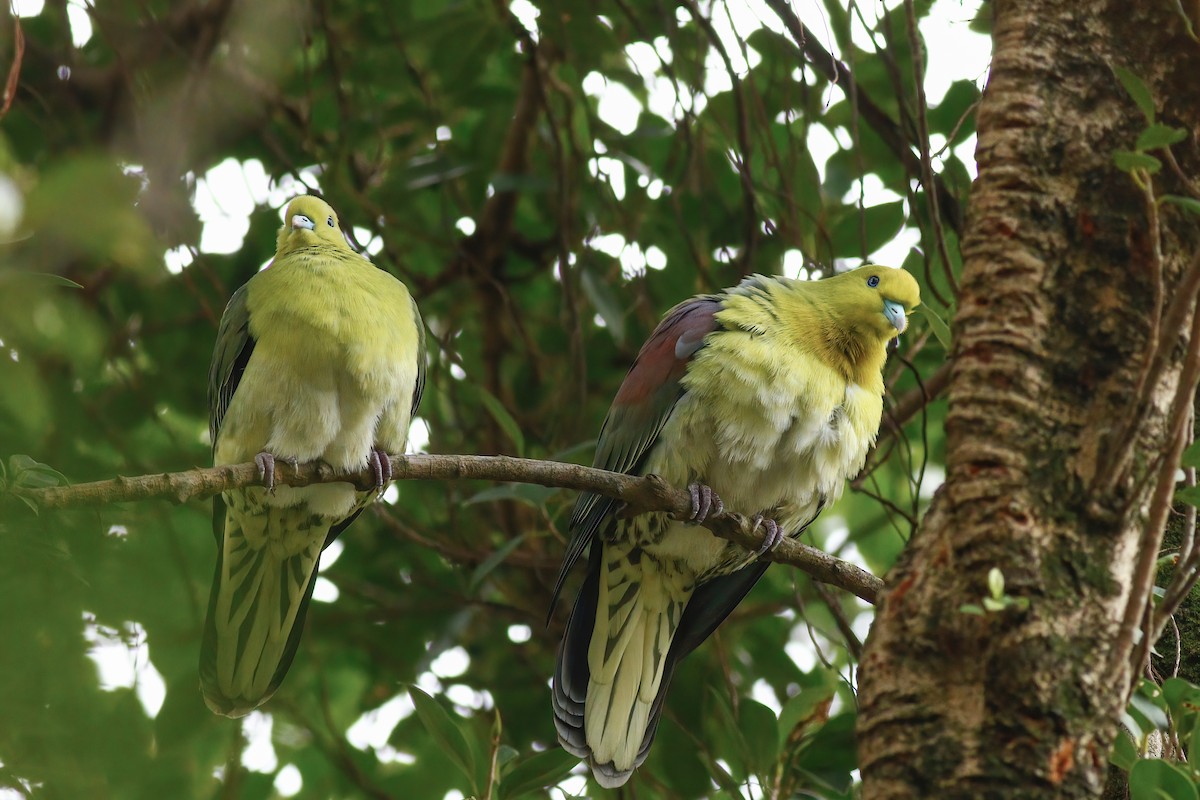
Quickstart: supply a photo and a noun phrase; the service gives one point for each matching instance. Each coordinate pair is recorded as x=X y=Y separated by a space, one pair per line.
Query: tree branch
x=640 y=494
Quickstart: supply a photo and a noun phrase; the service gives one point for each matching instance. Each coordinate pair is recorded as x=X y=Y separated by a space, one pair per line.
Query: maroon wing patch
x=663 y=358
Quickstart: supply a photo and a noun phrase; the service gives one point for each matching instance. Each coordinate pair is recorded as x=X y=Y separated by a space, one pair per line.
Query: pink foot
x=774 y=533
x=266 y=468
x=381 y=467
x=705 y=503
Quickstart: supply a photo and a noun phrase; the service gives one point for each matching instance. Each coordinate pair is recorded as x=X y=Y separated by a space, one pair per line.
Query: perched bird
x=765 y=398
x=319 y=356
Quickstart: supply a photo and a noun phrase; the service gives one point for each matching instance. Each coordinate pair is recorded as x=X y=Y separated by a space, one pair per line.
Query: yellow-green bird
x=319 y=356
x=763 y=398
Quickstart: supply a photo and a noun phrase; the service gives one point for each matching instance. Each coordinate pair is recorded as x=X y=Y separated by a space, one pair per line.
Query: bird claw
x=266 y=468
x=705 y=503
x=381 y=468
x=773 y=534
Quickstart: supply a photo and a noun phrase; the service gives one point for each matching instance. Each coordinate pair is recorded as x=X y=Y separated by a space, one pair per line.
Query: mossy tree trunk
x=1075 y=348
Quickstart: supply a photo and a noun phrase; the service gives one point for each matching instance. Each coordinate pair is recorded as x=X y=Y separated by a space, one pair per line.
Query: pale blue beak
x=301 y=221
x=895 y=314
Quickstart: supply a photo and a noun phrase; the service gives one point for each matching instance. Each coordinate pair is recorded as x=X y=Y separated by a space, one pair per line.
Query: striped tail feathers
x=571 y=673
x=574 y=693
x=266 y=571
x=613 y=665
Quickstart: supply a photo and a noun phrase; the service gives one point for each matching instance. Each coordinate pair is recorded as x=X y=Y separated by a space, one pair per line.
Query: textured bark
x=1054 y=329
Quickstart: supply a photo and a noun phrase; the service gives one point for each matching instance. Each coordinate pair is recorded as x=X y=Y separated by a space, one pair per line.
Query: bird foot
x=773 y=533
x=705 y=503
x=266 y=468
x=381 y=468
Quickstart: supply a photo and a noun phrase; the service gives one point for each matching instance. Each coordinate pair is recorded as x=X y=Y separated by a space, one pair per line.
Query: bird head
x=875 y=300
x=309 y=221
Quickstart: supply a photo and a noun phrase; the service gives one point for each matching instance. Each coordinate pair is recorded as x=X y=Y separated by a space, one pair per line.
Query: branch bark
x=640 y=494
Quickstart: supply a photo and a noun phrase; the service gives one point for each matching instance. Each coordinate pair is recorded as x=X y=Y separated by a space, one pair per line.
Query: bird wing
x=230 y=356
x=641 y=408
x=419 y=388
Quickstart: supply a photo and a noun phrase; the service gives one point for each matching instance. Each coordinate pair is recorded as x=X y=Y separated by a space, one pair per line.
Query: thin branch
x=14 y=72
x=639 y=494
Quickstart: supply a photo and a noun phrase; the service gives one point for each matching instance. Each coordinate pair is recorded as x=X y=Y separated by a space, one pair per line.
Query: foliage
x=469 y=151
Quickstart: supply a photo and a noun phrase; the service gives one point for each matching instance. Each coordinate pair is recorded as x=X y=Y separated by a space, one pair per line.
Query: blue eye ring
x=873 y=281
x=330 y=221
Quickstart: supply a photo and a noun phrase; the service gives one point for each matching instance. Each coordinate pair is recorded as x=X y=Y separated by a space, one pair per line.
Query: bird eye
x=873 y=281
x=330 y=221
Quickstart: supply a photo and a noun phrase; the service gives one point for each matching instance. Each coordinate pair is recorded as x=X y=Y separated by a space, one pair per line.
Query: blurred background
x=547 y=178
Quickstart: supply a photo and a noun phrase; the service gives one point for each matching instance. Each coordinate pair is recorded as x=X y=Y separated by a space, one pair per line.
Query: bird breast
x=770 y=435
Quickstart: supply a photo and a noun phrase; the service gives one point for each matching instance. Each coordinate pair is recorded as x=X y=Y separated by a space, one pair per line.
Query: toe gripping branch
x=381 y=468
x=706 y=503
x=266 y=468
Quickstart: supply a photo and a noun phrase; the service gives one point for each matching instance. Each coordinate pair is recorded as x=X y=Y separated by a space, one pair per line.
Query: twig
x=639 y=494
x=853 y=643
x=14 y=72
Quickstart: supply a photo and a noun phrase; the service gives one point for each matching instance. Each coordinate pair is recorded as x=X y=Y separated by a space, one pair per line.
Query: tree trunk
x=1058 y=425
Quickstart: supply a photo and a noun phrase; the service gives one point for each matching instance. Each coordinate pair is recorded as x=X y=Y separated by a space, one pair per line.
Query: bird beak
x=895 y=314
x=301 y=221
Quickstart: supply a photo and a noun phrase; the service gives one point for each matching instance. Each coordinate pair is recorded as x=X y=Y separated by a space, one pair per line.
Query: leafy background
x=548 y=180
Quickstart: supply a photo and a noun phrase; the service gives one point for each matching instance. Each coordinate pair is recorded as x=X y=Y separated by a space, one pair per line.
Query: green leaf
x=30 y=474
x=1178 y=693
x=1128 y=161
x=995 y=580
x=492 y=561
x=738 y=754
x=448 y=733
x=831 y=755
x=1147 y=711
x=1189 y=203
x=1138 y=91
x=760 y=729
x=506 y=755
x=971 y=608
x=937 y=325
x=1133 y=726
x=801 y=707
x=30 y=503
x=1124 y=753
x=874 y=226
x=1191 y=455
x=1155 y=779
x=537 y=772
x=1158 y=135
x=503 y=419
x=57 y=280
x=1189 y=495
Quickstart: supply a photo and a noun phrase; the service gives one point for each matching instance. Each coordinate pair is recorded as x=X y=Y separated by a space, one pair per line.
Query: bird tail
x=266 y=570
x=613 y=665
